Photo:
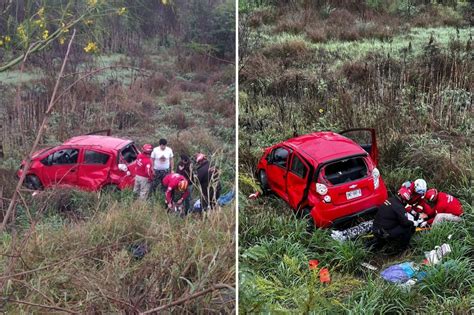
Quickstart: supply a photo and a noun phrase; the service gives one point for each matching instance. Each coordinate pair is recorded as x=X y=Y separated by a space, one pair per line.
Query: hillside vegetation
x=402 y=67
x=146 y=70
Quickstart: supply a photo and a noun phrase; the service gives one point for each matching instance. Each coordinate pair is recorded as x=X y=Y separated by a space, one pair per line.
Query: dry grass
x=175 y=95
x=96 y=270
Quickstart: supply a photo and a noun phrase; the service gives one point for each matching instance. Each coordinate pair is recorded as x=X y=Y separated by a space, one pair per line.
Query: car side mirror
x=123 y=167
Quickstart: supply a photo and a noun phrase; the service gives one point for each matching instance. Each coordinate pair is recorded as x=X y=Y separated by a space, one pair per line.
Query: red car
x=90 y=162
x=325 y=175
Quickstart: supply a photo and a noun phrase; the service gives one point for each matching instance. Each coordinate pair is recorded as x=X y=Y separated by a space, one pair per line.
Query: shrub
x=174 y=96
x=178 y=119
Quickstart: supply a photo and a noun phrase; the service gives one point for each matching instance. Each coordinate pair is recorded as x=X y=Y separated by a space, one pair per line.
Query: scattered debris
x=324 y=276
x=139 y=250
x=226 y=198
x=368 y=266
x=254 y=196
x=313 y=264
x=353 y=232
x=436 y=255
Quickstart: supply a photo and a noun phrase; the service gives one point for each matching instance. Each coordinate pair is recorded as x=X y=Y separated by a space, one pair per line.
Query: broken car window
x=346 y=170
x=65 y=156
x=129 y=153
x=280 y=156
x=93 y=157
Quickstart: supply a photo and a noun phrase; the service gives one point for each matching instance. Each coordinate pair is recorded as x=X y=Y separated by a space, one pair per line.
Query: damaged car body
x=89 y=162
x=326 y=176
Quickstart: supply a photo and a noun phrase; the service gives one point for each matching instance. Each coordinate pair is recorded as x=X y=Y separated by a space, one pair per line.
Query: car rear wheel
x=262 y=177
x=33 y=182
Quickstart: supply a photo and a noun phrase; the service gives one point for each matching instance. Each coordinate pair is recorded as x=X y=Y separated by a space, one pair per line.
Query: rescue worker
x=392 y=225
x=208 y=179
x=162 y=157
x=144 y=172
x=412 y=194
x=445 y=207
x=176 y=190
x=184 y=168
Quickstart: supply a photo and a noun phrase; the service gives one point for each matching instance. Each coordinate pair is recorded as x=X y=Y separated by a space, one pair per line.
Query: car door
x=94 y=169
x=366 y=138
x=60 y=167
x=297 y=180
x=277 y=169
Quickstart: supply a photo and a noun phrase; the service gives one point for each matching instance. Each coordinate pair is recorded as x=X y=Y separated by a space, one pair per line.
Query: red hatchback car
x=326 y=175
x=90 y=162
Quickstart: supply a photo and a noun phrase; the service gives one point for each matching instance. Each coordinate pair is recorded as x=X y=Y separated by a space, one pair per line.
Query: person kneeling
x=391 y=225
x=176 y=192
x=445 y=207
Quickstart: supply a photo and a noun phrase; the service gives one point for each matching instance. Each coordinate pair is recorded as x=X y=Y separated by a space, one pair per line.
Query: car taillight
x=376 y=176
x=321 y=189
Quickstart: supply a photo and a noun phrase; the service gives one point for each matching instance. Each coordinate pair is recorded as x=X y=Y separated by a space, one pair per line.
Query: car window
x=66 y=156
x=297 y=167
x=94 y=157
x=280 y=157
x=129 y=153
x=346 y=170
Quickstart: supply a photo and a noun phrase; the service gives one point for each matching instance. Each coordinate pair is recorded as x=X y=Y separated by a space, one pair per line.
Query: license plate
x=353 y=194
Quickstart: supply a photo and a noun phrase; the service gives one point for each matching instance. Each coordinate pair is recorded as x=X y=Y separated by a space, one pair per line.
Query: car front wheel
x=33 y=182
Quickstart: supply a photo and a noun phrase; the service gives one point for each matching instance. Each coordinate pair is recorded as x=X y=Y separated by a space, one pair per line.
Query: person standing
x=208 y=179
x=162 y=157
x=144 y=172
x=184 y=169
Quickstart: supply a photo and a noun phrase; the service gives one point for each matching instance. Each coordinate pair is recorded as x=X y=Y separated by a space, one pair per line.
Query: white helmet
x=420 y=186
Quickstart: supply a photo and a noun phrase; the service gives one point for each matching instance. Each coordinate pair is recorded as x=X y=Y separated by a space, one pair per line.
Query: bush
x=174 y=96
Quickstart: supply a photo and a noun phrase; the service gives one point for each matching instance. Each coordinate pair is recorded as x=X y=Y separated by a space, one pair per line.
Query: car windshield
x=344 y=171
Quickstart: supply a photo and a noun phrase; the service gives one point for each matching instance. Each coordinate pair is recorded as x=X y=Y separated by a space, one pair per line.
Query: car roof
x=104 y=142
x=324 y=146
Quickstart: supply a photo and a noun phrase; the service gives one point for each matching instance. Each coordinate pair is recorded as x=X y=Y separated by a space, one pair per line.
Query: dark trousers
x=158 y=180
x=210 y=196
x=400 y=236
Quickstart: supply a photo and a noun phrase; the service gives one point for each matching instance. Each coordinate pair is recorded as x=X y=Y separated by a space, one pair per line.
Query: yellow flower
x=22 y=33
x=321 y=110
x=45 y=34
x=7 y=39
x=88 y=22
x=61 y=40
x=90 y=48
x=64 y=28
x=41 y=12
x=165 y=2
x=122 y=11
x=1 y=42
x=92 y=3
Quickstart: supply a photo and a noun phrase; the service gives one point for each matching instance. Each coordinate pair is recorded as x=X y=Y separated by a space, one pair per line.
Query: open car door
x=365 y=137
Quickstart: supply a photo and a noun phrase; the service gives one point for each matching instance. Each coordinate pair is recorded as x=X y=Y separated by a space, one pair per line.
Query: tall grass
x=90 y=265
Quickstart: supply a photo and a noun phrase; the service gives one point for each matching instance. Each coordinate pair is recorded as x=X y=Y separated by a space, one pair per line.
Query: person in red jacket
x=412 y=194
x=445 y=207
x=176 y=186
x=144 y=172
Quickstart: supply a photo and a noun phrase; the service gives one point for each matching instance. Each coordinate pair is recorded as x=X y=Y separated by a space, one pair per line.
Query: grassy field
x=413 y=84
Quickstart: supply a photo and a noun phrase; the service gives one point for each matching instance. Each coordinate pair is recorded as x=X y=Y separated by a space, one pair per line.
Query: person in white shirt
x=162 y=158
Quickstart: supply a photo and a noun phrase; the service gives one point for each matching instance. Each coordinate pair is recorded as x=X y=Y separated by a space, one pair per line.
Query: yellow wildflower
x=22 y=33
x=165 y=2
x=88 y=22
x=321 y=110
x=41 y=12
x=90 y=48
x=7 y=39
x=64 y=28
x=92 y=3
x=45 y=34
x=122 y=11
x=61 y=40
x=1 y=43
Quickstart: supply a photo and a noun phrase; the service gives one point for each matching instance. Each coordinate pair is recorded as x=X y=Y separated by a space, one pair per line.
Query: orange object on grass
x=313 y=264
x=324 y=276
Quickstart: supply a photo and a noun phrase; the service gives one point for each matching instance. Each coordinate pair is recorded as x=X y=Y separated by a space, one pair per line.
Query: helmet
x=420 y=186
x=404 y=193
x=147 y=148
x=200 y=157
x=431 y=194
x=183 y=185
